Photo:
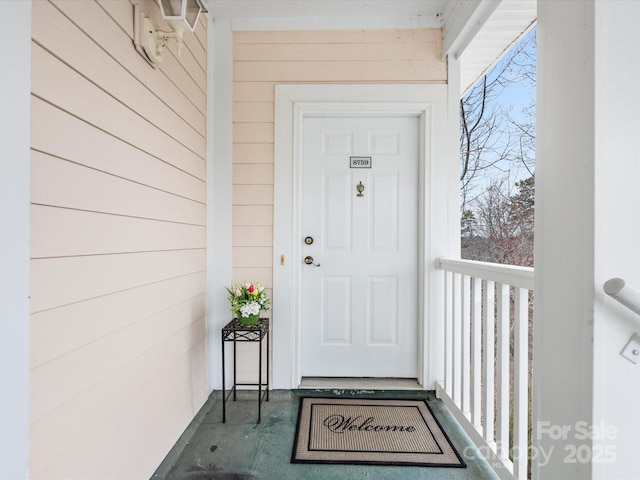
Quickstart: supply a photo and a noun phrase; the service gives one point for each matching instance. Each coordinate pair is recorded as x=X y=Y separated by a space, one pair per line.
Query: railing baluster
x=448 y=332
x=466 y=344
x=521 y=384
x=476 y=353
x=457 y=339
x=488 y=326
x=503 y=373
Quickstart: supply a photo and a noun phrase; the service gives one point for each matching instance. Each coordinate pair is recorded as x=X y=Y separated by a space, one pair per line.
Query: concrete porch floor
x=240 y=449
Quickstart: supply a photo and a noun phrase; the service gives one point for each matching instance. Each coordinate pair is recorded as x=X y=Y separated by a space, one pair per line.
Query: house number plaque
x=359 y=162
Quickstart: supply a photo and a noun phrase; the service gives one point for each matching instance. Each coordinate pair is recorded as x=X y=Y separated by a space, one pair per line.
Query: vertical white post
x=457 y=338
x=566 y=167
x=219 y=186
x=503 y=371
x=466 y=344
x=488 y=327
x=476 y=353
x=448 y=329
x=15 y=101
x=521 y=383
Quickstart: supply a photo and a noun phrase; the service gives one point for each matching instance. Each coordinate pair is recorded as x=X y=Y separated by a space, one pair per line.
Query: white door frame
x=293 y=104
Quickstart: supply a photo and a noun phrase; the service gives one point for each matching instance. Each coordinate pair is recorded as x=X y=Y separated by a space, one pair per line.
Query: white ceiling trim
x=462 y=22
x=508 y=23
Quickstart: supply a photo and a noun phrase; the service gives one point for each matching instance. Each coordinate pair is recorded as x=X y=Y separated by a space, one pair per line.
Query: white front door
x=360 y=294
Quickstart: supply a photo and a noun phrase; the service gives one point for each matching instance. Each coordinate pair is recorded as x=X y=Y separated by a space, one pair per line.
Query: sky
x=518 y=94
x=521 y=94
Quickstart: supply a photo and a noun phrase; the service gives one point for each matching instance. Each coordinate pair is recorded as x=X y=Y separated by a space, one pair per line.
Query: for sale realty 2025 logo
x=599 y=452
x=575 y=443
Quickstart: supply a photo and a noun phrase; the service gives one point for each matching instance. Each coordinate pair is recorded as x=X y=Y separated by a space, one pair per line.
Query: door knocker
x=360 y=189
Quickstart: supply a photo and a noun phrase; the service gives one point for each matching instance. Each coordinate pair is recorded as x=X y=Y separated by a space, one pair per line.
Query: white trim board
x=15 y=131
x=219 y=189
x=310 y=383
x=293 y=103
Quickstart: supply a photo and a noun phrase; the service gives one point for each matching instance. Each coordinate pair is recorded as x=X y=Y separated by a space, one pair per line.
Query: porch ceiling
x=507 y=24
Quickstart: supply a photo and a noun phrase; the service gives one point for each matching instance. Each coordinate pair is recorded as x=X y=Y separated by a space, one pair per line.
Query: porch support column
x=444 y=231
x=564 y=236
x=587 y=170
x=15 y=98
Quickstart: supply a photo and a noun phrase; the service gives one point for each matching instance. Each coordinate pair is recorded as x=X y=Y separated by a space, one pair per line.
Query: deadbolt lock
x=308 y=240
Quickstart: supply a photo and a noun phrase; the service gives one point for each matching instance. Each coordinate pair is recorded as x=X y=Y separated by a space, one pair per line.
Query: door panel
x=336 y=310
x=336 y=221
x=360 y=302
x=385 y=214
x=383 y=311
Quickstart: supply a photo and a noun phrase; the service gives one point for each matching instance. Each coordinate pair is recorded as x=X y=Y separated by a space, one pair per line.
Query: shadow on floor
x=241 y=449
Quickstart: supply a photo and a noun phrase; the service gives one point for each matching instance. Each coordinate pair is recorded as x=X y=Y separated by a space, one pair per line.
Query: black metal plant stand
x=235 y=332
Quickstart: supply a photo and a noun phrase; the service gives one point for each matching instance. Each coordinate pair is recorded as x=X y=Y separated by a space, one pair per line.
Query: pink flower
x=238 y=293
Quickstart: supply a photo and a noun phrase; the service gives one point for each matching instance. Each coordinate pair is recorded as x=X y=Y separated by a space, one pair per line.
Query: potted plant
x=247 y=301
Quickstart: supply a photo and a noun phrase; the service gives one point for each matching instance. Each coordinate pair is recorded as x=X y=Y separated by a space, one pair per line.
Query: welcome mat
x=369 y=431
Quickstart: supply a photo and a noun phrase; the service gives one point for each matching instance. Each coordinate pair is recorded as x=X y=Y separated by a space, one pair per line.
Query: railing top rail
x=521 y=277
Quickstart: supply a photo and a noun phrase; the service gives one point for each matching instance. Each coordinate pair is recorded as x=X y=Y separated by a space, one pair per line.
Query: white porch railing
x=486 y=381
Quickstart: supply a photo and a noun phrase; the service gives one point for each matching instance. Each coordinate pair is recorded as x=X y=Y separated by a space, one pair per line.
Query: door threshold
x=349 y=383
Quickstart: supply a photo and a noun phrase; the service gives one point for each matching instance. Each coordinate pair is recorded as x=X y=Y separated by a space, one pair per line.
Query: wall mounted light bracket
x=180 y=15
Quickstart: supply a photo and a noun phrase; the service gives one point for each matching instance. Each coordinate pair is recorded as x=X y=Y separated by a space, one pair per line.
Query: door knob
x=310 y=261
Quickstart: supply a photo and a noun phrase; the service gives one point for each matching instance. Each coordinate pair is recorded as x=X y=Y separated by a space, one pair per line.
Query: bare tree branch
x=497 y=147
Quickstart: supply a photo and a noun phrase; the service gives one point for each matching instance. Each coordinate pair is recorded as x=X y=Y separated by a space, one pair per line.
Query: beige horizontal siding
x=248 y=257
x=55 y=383
x=253 y=194
x=85 y=277
x=246 y=273
x=67 y=137
x=254 y=132
x=253 y=153
x=108 y=33
x=94 y=410
x=65 y=232
x=253 y=236
x=255 y=91
x=59 y=84
x=343 y=37
x=370 y=71
x=337 y=52
x=93 y=319
x=69 y=185
x=244 y=112
x=253 y=215
x=253 y=174
x=99 y=66
x=118 y=247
